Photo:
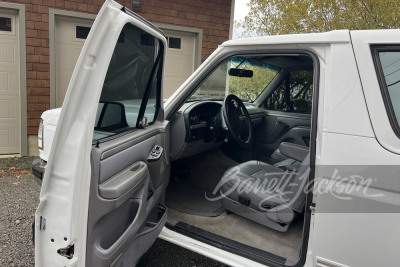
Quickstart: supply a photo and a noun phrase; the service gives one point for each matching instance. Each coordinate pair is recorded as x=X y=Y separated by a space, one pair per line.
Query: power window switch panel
x=155 y=153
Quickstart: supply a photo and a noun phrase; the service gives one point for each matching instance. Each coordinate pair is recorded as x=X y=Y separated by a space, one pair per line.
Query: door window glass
x=134 y=70
x=387 y=61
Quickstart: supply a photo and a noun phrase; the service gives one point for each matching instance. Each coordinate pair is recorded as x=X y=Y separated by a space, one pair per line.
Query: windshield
x=245 y=77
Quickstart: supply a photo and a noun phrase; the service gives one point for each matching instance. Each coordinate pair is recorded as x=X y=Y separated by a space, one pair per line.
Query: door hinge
x=67 y=252
x=143 y=123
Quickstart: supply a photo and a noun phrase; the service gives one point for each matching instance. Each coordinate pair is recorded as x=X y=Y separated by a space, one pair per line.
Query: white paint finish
x=344 y=105
x=352 y=238
x=67 y=50
x=64 y=198
x=50 y=120
x=10 y=117
x=179 y=63
x=376 y=107
x=358 y=239
x=338 y=36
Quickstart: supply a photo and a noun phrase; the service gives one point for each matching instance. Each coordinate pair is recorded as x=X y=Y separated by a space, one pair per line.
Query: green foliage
x=250 y=88
x=267 y=17
x=300 y=87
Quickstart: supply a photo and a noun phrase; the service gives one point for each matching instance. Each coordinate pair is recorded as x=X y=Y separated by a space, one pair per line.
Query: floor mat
x=186 y=198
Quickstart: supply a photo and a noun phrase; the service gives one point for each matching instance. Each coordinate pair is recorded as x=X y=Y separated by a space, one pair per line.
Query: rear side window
x=387 y=64
x=294 y=94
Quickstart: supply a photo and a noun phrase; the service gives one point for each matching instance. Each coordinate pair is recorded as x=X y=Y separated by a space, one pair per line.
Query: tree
x=251 y=87
x=267 y=17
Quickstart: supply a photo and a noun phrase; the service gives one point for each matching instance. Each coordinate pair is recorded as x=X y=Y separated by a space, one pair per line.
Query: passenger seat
x=267 y=194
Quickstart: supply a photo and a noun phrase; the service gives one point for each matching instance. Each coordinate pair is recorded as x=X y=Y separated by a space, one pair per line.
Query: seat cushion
x=256 y=184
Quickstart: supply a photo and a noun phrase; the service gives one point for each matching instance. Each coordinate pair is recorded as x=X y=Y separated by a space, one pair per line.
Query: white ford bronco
x=277 y=151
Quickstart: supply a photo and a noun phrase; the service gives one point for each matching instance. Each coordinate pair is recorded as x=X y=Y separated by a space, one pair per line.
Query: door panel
x=280 y=127
x=126 y=197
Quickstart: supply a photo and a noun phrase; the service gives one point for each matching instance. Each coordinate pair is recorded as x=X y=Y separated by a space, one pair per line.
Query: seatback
x=296 y=189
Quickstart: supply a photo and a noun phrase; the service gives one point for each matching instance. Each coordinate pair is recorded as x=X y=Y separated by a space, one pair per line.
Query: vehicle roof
x=337 y=36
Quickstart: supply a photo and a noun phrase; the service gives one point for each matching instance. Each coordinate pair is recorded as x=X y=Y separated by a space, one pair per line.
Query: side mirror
x=240 y=73
x=110 y=116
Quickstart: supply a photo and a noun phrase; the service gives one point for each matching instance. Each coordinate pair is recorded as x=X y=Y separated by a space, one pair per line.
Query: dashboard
x=201 y=122
x=195 y=127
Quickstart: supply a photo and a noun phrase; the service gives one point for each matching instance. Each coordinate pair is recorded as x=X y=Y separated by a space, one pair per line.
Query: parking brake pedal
x=155 y=153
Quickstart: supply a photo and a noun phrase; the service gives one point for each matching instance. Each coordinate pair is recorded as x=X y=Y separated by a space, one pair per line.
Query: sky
x=241 y=10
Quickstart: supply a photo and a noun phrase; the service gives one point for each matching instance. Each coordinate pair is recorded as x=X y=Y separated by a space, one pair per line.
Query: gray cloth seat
x=264 y=193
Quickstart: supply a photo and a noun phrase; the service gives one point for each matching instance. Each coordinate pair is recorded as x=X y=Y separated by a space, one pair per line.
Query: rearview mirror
x=240 y=73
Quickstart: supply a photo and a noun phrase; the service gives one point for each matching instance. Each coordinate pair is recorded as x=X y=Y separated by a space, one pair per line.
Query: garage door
x=70 y=35
x=10 y=134
x=179 y=60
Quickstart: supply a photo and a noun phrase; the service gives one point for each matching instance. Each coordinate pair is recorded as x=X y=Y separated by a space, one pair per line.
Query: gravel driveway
x=19 y=196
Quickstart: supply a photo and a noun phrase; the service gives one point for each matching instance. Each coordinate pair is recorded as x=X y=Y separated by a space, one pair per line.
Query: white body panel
x=50 y=120
x=67 y=49
x=376 y=107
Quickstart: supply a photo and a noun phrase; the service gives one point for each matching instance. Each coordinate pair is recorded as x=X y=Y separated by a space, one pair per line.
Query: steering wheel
x=237 y=120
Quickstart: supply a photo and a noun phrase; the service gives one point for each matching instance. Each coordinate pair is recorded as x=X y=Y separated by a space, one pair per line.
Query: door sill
x=229 y=245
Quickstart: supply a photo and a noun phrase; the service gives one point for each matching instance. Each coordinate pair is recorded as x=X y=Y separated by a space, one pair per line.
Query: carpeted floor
x=184 y=197
x=197 y=176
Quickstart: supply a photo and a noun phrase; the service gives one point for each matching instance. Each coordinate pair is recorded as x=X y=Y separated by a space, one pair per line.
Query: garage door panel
x=69 y=59
x=9 y=83
x=9 y=90
x=9 y=137
x=7 y=51
x=68 y=49
x=65 y=30
x=8 y=109
x=179 y=63
x=174 y=66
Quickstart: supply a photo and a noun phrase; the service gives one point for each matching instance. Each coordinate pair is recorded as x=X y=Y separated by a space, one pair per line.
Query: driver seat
x=266 y=194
